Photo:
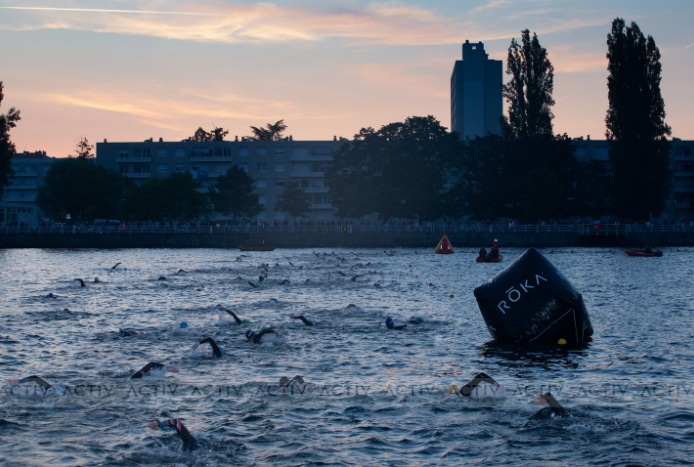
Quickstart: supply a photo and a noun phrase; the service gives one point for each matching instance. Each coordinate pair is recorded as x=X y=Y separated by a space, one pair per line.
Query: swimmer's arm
x=261 y=333
x=303 y=319
x=36 y=379
x=233 y=315
x=474 y=382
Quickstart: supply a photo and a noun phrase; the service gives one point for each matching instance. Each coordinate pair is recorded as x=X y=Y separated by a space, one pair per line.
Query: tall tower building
x=476 y=94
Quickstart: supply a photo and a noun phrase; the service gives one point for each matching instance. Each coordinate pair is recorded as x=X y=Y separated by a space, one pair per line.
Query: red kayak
x=645 y=252
x=489 y=259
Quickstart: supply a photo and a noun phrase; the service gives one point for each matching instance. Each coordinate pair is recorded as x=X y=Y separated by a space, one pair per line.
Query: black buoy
x=531 y=302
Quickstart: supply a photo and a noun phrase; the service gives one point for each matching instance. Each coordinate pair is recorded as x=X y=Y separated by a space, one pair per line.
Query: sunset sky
x=128 y=70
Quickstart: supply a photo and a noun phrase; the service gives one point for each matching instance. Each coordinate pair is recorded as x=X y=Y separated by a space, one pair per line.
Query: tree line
x=417 y=169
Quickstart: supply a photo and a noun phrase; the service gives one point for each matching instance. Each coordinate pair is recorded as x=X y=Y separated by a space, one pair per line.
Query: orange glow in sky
x=129 y=70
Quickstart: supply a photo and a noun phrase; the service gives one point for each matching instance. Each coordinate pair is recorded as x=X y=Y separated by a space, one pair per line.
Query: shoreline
x=123 y=239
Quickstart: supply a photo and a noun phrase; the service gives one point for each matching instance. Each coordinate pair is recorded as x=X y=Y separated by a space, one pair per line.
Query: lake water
x=374 y=396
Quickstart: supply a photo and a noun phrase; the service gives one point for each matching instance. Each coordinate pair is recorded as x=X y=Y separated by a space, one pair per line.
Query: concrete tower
x=476 y=94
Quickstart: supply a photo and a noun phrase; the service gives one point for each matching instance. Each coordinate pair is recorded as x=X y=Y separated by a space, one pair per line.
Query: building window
x=180 y=168
x=279 y=167
x=279 y=183
x=162 y=168
x=123 y=153
x=180 y=152
x=243 y=152
x=300 y=152
x=261 y=166
x=318 y=167
x=279 y=151
x=262 y=183
x=162 y=153
x=261 y=151
x=262 y=199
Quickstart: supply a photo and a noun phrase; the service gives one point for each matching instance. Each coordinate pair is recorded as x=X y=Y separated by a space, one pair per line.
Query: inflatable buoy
x=531 y=302
x=444 y=246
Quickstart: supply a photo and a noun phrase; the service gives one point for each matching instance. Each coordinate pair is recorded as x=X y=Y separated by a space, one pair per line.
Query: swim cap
x=284 y=381
x=221 y=349
x=183 y=325
x=389 y=322
x=250 y=334
x=561 y=341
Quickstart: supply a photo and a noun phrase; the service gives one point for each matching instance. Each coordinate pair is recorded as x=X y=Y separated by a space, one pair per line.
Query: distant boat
x=444 y=247
x=489 y=259
x=645 y=252
x=256 y=247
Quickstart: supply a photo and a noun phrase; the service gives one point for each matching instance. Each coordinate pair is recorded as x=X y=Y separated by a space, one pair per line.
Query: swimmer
x=303 y=319
x=297 y=383
x=80 y=280
x=127 y=332
x=146 y=369
x=115 y=265
x=554 y=410
x=45 y=385
x=189 y=442
x=257 y=337
x=233 y=315
x=51 y=295
x=415 y=320
x=491 y=388
x=216 y=349
x=390 y=324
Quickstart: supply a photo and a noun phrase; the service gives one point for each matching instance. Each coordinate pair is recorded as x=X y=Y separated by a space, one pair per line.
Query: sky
x=129 y=70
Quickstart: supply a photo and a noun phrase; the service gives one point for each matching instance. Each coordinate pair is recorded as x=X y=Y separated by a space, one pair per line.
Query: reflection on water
x=374 y=396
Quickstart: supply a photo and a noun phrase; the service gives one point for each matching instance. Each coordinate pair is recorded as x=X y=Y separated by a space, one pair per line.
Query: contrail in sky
x=98 y=10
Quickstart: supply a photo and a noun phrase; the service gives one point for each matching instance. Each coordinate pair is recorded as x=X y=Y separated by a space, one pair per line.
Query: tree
x=86 y=191
x=477 y=189
x=529 y=92
x=271 y=132
x=172 y=199
x=635 y=121
x=293 y=201
x=7 y=149
x=84 y=149
x=217 y=134
x=532 y=154
x=233 y=194
x=400 y=171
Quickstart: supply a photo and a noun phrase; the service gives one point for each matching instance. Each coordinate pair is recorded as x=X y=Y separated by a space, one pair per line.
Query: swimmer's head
x=183 y=325
x=249 y=334
x=284 y=382
x=221 y=349
x=389 y=322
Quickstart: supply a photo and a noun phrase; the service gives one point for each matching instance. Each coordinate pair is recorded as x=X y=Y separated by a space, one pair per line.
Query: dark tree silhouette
x=217 y=134
x=293 y=200
x=529 y=92
x=79 y=187
x=271 y=132
x=399 y=171
x=7 y=149
x=172 y=199
x=533 y=158
x=84 y=149
x=635 y=121
x=233 y=194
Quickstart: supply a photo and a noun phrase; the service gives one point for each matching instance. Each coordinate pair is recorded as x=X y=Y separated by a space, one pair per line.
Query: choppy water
x=375 y=397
